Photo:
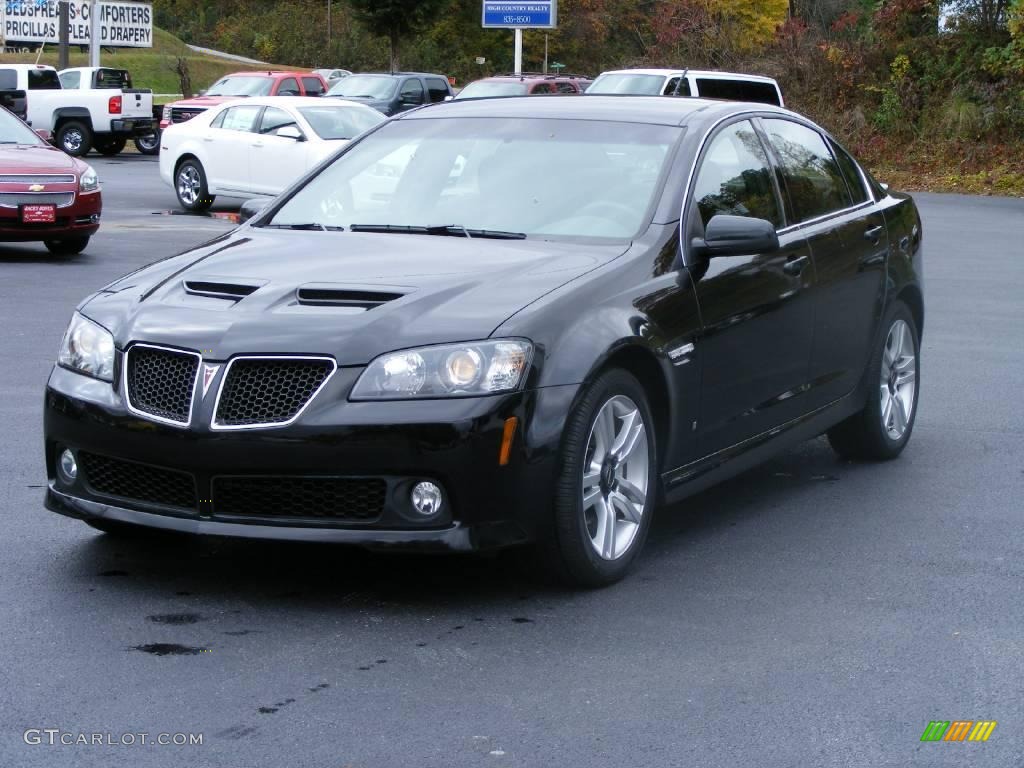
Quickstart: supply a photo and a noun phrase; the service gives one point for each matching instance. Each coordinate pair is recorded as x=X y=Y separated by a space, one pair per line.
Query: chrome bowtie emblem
x=36 y=188
x=209 y=372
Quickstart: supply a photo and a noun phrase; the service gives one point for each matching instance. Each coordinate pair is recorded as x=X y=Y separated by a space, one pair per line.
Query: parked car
x=244 y=85
x=567 y=312
x=393 y=93
x=686 y=82
x=255 y=147
x=45 y=195
x=527 y=84
x=86 y=117
x=331 y=76
x=140 y=120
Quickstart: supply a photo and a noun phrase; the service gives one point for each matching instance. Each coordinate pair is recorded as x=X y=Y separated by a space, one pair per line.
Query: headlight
x=450 y=370
x=89 y=182
x=88 y=348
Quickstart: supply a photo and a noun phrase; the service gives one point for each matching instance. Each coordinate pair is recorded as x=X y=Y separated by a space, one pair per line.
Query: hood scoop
x=356 y=297
x=216 y=288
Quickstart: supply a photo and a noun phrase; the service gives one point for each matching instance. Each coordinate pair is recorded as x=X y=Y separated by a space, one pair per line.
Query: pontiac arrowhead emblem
x=209 y=372
x=36 y=188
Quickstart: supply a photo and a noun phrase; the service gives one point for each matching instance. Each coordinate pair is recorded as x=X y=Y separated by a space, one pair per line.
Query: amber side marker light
x=506 y=440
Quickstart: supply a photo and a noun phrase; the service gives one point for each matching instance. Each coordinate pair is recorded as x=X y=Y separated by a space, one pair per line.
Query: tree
x=397 y=19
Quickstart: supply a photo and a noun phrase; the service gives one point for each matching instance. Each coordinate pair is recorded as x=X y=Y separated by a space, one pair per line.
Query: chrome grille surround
x=215 y=424
x=129 y=383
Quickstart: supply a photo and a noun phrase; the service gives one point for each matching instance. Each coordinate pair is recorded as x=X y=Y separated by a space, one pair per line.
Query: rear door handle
x=874 y=234
x=207 y=138
x=795 y=265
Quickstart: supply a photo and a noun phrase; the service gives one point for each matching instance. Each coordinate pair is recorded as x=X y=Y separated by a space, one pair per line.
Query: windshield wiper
x=311 y=227
x=443 y=230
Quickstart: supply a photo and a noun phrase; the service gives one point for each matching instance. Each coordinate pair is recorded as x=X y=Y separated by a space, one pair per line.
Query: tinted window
x=484 y=88
x=71 y=79
x=677 y=86
x=850 y=173
x=813 y=180
x=438 y=89
x=735 y=177
x=113 y=78
x=274 y=119
x=330 y=122
x=289 y=87
x=8 y=80
x=240 y=118
x=737 y=90
x=313 y=86
x=43 y=80
x=364 y=86
x=542 y=88
x=412 y=92
x=567 y=88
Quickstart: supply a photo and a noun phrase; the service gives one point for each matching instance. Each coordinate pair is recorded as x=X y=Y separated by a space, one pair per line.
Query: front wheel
x=190 y=186
x=74 y=138
x=67 y=246
x=148 y=145
x=882 y=429
x=607 y=485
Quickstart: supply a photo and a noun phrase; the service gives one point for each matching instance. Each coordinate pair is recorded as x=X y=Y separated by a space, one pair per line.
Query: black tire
x=67 y=246
x=567 y=547
x=148 y=145
x=111 y=147
x=74 y=138
x=864 y=436
x=200 y=199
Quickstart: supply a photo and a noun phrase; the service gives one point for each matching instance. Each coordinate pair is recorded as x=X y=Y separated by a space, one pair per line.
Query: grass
x=150 y=67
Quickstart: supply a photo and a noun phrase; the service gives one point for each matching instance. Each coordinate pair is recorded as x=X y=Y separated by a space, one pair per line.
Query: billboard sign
x=530 y=14
x=122 y=24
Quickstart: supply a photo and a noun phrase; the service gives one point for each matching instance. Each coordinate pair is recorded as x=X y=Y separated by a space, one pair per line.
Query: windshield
x=542 y=178
x=484 y=88
x=13 y=131
x=241 y=86
x=640 y=85
x=341 y=122
x=364 y=86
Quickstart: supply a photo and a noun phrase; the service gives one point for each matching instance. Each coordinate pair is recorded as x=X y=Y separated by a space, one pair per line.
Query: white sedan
x=256 y=147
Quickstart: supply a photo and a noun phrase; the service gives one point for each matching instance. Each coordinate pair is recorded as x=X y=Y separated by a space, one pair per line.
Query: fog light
x=426 y=499
x=67 y=466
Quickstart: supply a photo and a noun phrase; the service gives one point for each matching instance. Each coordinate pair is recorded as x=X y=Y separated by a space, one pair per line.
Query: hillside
x=150 y=67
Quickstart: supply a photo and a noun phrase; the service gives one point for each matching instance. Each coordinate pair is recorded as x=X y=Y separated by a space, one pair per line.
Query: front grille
x=14 y=199
x=269 y=391
x=326 y=498
x=17 y=178
x=139 y=482
x=184 y=114
x=161 y=382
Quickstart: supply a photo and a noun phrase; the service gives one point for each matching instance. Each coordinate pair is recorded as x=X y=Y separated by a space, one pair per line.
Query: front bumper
x=454 y=443
x=134 y=127
x=80 y=219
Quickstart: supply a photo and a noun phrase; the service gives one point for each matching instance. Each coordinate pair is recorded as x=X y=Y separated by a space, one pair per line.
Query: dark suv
x=526 y=84
x=393 y=93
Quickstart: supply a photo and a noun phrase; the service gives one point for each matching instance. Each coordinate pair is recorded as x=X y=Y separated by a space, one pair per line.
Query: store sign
x=123 y=24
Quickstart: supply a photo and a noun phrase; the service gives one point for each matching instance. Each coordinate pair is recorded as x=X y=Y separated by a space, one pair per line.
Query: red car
x=242 y=84
x=45 y=195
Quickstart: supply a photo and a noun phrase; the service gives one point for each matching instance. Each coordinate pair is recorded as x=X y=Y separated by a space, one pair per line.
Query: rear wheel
x=111 y=147
x=75 y=138
x=67 y=246
x=607 y=484
x=881 y=431
x=148 y=145
x=190 y=186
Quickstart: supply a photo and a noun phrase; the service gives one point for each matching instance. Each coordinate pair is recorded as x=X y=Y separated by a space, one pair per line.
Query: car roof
x=530 y=76
x=27 y=66
x=402 y=74
x=658 y=110
x=292 y=101
x=694 y=72
x=271 y=73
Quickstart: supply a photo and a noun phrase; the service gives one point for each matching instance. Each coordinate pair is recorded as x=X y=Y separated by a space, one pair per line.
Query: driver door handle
x=794 y=266
x=874 y=234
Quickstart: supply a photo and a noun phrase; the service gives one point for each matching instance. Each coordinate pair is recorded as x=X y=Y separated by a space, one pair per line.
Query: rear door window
x=70 y=80
x=737 y=90
x=313 y=86
x=676 y=86
x=43 y=80
x=735 y=177
x=241 y=118
x=542 y=88
x=567 y=88
x=438 y=89
x=813 y=178
x=288 y=87
x=412 y=92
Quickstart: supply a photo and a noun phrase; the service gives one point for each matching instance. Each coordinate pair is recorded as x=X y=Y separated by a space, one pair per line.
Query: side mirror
x=727 y=235
x=448 y=98
x=45 y=135
x=251 y=208
x=291 y=132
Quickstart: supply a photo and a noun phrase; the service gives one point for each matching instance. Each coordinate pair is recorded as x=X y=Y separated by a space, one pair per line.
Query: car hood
x=205 y=102
x=350 y=295
x=30 y=158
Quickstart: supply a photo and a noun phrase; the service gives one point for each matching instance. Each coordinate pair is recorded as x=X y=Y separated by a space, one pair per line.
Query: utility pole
x=519 y=52
x=329 y=34
x=65 y=34
x=94 y=33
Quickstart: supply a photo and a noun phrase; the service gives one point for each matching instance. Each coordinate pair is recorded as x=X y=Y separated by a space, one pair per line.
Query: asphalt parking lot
x=809 y=613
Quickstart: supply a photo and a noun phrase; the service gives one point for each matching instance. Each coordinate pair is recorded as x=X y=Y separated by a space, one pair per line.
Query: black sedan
x=503 y=322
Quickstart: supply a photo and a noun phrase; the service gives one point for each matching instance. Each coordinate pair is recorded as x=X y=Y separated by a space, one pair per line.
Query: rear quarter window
x=737 y=90
x=313 y=86
x=438 y=89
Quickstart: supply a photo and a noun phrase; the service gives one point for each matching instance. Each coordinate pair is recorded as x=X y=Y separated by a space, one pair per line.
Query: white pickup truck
x=102 y=110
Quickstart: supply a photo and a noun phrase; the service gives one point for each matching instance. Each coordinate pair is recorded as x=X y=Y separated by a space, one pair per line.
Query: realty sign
x=522 y=15
x=122 y=24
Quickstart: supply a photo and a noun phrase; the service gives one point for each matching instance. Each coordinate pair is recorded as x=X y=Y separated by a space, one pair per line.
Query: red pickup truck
x=242 y=84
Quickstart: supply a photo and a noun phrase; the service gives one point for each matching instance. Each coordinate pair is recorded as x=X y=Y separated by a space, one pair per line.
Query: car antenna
x=680 y=81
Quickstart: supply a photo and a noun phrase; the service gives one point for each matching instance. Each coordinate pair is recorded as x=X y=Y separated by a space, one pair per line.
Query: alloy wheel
x=189 y=185
x=898 y=384
x=615 y=477
x=148 y=143
x=73 y=141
